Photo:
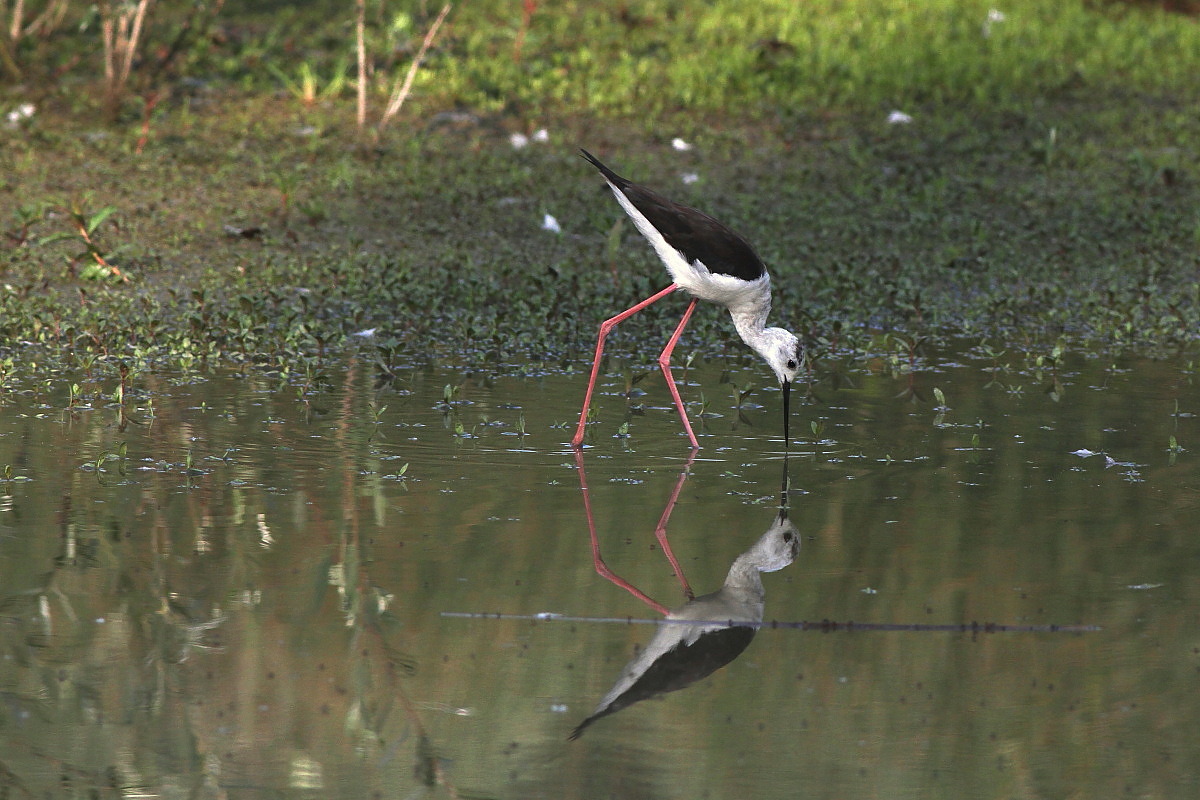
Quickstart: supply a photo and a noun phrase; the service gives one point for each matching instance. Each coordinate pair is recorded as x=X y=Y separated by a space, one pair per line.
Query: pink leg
x=606 y=328
x=601 y=568
x=664 y=361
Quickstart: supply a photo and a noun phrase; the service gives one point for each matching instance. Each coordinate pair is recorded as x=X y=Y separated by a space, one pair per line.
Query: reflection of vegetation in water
x=155 y=635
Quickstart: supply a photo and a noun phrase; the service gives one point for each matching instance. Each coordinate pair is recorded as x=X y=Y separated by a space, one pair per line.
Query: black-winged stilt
x=711 y=262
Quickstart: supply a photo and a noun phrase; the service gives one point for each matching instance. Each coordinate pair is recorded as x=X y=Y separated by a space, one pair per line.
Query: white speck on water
x=549 y=223
x=680 y=144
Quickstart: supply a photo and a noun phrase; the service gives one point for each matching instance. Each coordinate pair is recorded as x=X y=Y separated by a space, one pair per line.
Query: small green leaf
x=57 y=236
x=98 y=218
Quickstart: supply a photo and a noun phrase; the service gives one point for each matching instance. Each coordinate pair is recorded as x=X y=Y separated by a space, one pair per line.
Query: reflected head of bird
x=776 y=548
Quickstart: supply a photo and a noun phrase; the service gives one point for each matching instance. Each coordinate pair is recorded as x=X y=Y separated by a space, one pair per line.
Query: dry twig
x=401 y=92
x=360 y=27
x=121 y=29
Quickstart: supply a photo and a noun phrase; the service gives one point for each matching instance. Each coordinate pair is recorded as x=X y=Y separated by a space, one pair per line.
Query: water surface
x=234 y=586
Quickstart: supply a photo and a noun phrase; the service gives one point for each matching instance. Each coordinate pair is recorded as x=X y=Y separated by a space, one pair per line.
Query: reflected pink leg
x=664 y=362
x=660 y=532
x=606 y=328
x=601 y=568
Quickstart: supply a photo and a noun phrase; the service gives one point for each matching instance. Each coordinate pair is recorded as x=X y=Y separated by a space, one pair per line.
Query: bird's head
x=781 y=350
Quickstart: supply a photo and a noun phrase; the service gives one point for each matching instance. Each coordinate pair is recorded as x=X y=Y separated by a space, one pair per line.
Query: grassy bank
x=1047 y=185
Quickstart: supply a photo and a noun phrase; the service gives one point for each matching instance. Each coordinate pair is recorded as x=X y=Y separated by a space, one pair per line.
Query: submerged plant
x=741 y=394
x=1173 y=450
x=450 y=393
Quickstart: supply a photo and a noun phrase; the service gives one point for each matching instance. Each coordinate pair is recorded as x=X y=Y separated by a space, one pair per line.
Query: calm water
x=252 y=601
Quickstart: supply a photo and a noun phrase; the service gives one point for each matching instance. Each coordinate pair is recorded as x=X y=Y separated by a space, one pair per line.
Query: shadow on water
x=704 y=634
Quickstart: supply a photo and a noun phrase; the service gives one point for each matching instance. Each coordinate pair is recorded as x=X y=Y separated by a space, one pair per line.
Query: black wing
x=693 y=233
x=679 y=667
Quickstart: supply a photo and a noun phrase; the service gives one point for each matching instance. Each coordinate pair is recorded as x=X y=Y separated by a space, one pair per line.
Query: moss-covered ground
x=1044 y=185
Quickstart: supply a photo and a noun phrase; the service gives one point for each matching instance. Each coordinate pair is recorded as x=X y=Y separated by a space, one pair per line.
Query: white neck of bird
x=750 y=321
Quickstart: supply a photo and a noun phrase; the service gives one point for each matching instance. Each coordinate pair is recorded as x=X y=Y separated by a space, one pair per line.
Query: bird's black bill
x=787 y=413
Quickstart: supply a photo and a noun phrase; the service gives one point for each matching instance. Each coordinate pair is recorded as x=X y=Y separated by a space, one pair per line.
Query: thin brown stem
x=18 y=15
x=360 y=36
x=121 y=32
x=402 y=91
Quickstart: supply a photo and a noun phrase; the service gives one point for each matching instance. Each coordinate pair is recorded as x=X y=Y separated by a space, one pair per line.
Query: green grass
x=1048 y=186
x=794 y=58
x=642 y=61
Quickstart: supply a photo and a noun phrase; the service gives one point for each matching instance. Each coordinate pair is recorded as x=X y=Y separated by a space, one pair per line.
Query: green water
x=234 y=588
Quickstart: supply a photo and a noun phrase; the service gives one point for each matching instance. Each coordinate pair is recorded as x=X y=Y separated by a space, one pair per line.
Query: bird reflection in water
x=704 y=634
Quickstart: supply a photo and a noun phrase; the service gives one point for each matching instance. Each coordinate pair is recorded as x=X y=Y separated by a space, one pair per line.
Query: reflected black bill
x=787 y=413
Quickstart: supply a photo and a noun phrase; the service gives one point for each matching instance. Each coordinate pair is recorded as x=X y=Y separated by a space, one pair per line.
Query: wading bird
x=710 y=262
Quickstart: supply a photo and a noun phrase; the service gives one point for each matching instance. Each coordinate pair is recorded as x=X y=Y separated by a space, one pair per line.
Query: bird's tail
x=609 y=175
